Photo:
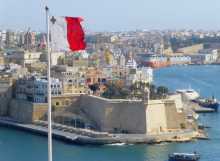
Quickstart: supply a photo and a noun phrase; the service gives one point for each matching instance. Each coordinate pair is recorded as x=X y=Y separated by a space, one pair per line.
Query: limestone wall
x=115 y=115
x=26 y=112
x=164 y=115
x=5 y=97
x=4 y=103
x=156 y=117
x=175 y=120
x=66 y=102
x=178 y=101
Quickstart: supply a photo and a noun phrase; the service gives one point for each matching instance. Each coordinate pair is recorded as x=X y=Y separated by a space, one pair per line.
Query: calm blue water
x=21 y=146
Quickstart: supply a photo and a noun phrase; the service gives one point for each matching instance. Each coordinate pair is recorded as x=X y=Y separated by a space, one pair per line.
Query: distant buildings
x=179 y=59
x=112 y=60
x=34 y=88
x=72 y=79
x=22 y=57
x=10 y=39
x=2 y=59
x=139 y=75
x=207 y=56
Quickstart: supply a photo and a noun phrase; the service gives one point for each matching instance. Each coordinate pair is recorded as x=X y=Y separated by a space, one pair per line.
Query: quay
x=71 y=137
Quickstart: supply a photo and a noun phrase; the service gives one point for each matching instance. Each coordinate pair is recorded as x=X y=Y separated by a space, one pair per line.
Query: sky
x=114 y=15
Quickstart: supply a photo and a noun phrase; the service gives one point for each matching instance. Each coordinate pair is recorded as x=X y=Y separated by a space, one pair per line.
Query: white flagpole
x=49 y=87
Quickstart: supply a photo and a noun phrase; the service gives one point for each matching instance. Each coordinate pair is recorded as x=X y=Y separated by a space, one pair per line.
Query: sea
x=21 y=146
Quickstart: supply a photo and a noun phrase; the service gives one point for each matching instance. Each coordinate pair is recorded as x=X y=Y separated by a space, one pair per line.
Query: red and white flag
x=67 y=34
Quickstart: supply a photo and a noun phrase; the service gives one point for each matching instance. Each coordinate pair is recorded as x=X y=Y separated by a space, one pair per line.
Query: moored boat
x=184 y=157
x=208 y=103
x=153 y=60
x=189 y=94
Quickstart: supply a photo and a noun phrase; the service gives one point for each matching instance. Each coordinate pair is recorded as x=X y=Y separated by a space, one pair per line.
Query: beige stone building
x=191 y=49
x=154 y=117
x=108 y=115
x=2 y=59
x=6 y=85
x=27 y=112
x=23 y=57
x=72 y=78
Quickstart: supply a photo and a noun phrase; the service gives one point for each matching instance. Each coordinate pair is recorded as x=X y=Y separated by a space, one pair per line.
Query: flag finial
x=53 y=19
x=46 y=8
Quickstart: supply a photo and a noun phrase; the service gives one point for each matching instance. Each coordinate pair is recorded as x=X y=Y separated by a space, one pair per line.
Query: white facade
x=179 y=59
x=144 y=74
x=34 y=89
x=55 y=57
x=131 y=63
x=205 y=56
x=56 y=87
x=40 y=90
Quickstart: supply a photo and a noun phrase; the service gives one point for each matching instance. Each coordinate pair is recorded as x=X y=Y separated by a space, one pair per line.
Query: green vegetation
x=138 y=90
x=94 y=87
x=115 y=91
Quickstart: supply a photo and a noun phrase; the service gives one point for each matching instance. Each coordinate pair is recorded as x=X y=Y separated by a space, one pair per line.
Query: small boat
x=189 y=94
x=208 y=103
x=184 y=157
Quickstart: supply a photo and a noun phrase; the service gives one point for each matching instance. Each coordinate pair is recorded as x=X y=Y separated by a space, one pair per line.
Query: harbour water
x=22 y=146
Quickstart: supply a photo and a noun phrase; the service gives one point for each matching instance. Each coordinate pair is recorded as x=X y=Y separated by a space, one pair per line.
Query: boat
x=153 y=60
x=208 y=103
x=189 y=94
x=184 y=157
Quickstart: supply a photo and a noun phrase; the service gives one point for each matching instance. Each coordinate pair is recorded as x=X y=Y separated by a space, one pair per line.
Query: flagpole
x=49 y=87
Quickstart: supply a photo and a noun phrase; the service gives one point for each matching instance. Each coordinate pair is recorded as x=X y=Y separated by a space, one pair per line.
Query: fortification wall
x=26 y=112
x=115 y=115
x=156 y=117
x=175 y=120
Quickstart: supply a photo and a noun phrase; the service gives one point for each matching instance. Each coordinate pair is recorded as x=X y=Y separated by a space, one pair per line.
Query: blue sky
x=115 y=15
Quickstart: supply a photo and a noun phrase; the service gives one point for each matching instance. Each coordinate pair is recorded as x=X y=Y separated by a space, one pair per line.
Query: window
x=57 y=103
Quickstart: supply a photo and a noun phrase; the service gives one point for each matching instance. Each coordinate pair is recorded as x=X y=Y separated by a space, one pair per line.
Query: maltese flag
x=67 y=34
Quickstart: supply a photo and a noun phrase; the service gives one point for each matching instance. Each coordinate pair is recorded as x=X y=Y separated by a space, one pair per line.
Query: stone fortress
x=105 y=115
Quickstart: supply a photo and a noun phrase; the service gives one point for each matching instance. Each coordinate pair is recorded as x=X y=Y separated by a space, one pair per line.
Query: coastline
x=73 y=138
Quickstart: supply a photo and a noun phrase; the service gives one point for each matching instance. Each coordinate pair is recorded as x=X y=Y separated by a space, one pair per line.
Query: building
x=34 y=88
x=95 y=76
x=57 y=58
x=144 y=75
x=56 y=87
x=76 y=59
x=206 y=56
x=29 y=40
x=13 y=71
x=2 y=59
x=73 y=79
x=6 y=90
x=179 y=59
x=9 y=40
x=23 y=57
x=191 y=49
x=137 y=117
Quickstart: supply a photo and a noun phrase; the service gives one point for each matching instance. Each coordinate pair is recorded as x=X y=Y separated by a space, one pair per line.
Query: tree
x=162 y=91
x=94 y=87
x=153 y=92
x=115 y=90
